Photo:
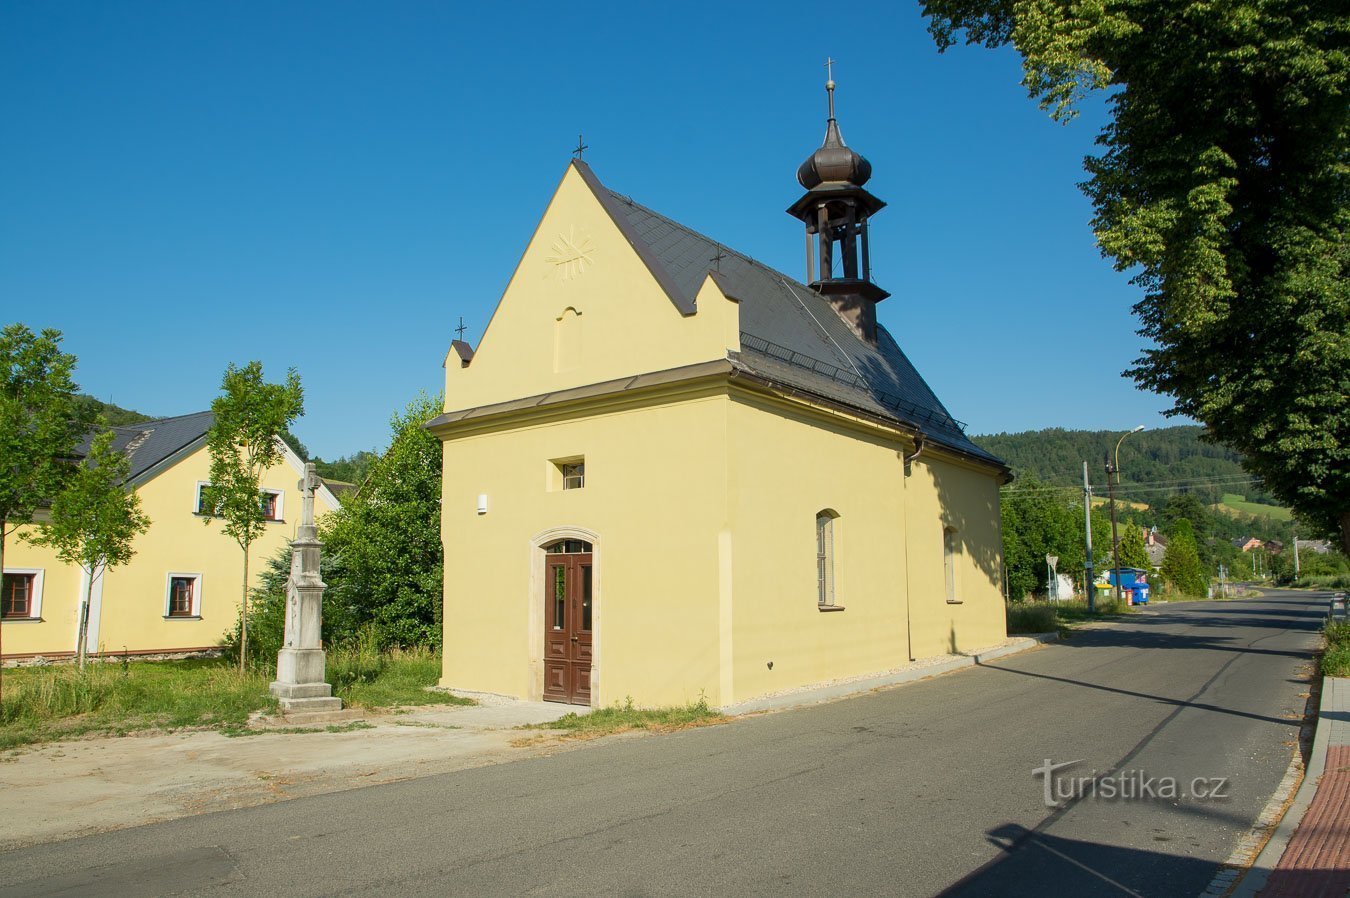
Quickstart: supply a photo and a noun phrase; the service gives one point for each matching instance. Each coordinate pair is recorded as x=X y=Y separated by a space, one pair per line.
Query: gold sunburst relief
x=573 y=253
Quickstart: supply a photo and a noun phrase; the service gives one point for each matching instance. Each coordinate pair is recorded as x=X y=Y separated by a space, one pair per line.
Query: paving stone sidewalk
x=1308 y=856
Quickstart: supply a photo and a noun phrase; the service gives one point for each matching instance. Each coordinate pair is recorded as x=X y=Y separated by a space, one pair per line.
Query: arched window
x=568 y=547
x=825 y=534
x=950 y=549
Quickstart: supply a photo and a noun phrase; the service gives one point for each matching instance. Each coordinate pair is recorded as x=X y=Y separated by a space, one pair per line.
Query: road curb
x=1335 y=692
x=919 y=671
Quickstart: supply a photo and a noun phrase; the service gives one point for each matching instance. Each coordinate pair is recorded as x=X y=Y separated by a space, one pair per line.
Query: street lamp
x=1111 y=484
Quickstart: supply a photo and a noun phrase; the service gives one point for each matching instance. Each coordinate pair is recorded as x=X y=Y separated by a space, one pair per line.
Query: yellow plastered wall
x=130 y=614
x=947 y=493
x=653 y=497
x=784 y=469
x=583 y=308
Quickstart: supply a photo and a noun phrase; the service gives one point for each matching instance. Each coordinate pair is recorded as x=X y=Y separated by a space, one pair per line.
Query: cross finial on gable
x=717 y=259
x=581 y=147
x=460 y=330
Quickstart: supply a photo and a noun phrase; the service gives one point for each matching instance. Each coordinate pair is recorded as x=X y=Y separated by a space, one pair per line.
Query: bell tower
x=835 y=210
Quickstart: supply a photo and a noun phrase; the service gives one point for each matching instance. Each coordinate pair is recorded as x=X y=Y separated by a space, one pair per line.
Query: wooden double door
x=568 y=620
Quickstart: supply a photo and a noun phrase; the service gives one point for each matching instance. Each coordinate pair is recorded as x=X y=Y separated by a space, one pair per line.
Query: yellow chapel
x=672 y=473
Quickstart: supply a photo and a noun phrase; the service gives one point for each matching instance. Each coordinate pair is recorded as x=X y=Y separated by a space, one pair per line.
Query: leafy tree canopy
x=1222 y=184
x=386 y=538
x=1133 y=552
x=41 y=421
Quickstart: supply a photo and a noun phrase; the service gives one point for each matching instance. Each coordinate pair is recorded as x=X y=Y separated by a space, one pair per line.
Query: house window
x=271 y=505
x=950 y=550
x=574 y=476
x=825 y=527
x=17 y=602
x=183 y=599
x=200 y=505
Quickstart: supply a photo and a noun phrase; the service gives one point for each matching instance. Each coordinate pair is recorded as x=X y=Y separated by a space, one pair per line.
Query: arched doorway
x=569 y=620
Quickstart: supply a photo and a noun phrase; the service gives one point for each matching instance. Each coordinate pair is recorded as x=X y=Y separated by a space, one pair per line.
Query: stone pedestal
x=300 y=684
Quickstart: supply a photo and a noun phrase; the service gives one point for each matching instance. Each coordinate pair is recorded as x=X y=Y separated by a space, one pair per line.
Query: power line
x=1141 y=485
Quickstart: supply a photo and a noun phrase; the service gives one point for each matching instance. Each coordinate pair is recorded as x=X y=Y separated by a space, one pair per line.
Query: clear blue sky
x=331 y=185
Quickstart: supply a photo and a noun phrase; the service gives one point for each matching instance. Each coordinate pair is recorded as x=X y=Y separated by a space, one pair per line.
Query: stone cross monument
x=300 y=682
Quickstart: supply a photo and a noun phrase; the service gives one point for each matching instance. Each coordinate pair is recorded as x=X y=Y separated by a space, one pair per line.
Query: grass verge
x=1059 y=617
x=621 y=718
x=1336 y=658
x=43 y=704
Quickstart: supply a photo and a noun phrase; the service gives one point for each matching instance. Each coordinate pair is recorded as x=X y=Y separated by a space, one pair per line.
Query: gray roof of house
x=152 y=442
x=789 y=333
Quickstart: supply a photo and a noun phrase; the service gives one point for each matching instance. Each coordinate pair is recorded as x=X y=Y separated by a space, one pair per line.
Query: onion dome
x=834 y=162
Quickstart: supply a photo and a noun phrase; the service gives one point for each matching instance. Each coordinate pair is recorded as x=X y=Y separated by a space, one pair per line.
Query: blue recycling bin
x=1140 y=591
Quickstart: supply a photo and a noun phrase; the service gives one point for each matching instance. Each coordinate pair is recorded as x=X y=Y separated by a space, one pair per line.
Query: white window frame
x=827 y=560
x=281 y=504
x=35 y=600
x=197 y=501
x=196 y=577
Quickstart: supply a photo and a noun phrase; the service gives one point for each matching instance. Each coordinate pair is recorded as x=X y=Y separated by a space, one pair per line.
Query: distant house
x=181 y=591
x=1248 y=543
x=1273 y=546
x=1155 y=544
x=1316 y=546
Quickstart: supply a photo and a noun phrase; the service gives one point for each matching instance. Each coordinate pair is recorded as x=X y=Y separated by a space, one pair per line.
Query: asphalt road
x=919 y=790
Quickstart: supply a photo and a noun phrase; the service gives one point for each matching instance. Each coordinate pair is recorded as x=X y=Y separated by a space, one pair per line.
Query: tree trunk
x=243 y=616
x=83 y=637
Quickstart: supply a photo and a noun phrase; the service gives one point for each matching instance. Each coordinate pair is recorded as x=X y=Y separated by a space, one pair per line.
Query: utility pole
x=1115 y=536
x=1295 y=556
x=1087 y=530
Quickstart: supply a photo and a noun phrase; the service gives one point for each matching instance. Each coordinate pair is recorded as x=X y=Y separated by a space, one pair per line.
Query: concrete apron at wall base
x=916 y=670
x=1331 y=716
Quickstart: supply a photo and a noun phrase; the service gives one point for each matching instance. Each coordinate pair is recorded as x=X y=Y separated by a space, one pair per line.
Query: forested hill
x=1153 y=463
x=113 y=414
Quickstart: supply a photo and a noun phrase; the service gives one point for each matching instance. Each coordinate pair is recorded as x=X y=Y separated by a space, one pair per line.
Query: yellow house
x=674 y=473
x=181 y=591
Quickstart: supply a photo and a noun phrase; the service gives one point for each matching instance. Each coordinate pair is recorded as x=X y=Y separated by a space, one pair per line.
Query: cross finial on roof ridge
x=829 y=82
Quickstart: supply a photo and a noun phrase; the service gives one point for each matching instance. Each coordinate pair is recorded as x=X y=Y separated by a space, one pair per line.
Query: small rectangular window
x=201 y=506
x=271 y=505
x=184 y=598
x=574 y=476
x=17 y=599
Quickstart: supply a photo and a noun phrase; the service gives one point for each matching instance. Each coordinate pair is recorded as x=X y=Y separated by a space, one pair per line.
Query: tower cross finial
x=581 y=147
x=460 y=330
x=829 y=82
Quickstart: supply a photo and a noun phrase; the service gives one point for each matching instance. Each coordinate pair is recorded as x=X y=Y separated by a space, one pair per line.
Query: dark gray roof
x=789 y=333
x=152 y=442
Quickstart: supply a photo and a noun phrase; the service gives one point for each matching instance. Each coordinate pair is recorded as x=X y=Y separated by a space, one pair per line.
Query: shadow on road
x=1162 y=699
x=1035 y=863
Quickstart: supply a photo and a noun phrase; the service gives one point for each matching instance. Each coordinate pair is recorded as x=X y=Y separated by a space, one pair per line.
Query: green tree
x=1223 y=184
x=1133 y=552
x=1181 y=563
x=386 y=538
x=1040 y=520
x=244 y=441
x=94 y=520
x=41 y=423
